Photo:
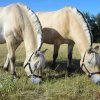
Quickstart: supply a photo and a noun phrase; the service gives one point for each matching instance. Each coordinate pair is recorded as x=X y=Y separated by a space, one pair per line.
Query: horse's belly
x=48 y=40
x=2 y=39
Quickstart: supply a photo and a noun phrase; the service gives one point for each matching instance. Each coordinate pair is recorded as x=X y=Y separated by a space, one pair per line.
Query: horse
x=68 y=25
x=19 y=23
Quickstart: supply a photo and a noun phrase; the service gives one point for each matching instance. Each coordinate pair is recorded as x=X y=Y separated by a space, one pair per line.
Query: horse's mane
x=34 y=21
x=84 y=23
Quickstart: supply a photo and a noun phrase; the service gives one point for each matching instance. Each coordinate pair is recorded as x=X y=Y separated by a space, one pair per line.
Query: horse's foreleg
x=70 y=50
x=11 y=57
x=55 y=55
x=11 y=46
x=6 y=65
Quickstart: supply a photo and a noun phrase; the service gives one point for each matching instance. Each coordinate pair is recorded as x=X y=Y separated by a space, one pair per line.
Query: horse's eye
x=89 y=62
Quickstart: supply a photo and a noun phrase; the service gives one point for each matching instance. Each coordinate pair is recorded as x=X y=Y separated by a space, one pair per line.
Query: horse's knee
x=55 y=56
x=70 y=51
x=70 y=56
x=12 y=59
x=56 y=49
x=6 y=65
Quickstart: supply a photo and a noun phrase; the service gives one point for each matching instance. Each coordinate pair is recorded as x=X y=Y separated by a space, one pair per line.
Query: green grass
x=57 y=85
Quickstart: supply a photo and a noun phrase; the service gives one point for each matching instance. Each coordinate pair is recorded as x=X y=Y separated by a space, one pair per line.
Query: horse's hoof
x=69 y=69
x=36 y=80
x=14 y=74
x=5 y=69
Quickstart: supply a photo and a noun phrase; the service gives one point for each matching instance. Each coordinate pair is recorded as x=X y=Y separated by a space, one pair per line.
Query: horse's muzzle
x=35 y=80
x=95 y=79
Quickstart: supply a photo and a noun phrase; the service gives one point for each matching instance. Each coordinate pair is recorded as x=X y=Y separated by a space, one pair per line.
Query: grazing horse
x=18 y=23
x=68 y=25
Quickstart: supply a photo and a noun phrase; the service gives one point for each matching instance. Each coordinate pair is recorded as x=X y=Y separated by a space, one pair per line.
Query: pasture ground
x=57 y=85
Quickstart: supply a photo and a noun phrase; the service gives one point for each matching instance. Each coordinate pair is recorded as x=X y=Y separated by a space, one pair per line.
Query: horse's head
x=90 y=63
x=34 y=66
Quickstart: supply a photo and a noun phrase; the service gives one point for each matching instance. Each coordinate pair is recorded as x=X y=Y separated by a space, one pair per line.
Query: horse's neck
x=80 y=32
x=80 y=37
x=30 y=43
x=33 y=30
x=82 y=41
x=82 y=47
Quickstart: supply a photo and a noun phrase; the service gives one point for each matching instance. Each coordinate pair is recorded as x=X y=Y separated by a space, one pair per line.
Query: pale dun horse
x=68 y=25
x=18 y=23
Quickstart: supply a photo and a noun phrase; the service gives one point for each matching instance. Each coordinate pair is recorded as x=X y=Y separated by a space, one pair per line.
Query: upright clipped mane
x=84 y=23
x=37 y=26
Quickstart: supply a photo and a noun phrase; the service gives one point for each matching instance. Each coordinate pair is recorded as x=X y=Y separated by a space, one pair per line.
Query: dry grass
x=57 y=85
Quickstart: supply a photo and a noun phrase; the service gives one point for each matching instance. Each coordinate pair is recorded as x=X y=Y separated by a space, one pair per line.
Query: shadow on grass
x=61 y=69
x=19 y=64
x=61 y=66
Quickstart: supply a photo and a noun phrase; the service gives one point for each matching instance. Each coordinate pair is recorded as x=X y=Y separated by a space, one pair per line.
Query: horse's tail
x=35 y=22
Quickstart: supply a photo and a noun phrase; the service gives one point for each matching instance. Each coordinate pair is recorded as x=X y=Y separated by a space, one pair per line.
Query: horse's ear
x=96 y=48
x=44 y=51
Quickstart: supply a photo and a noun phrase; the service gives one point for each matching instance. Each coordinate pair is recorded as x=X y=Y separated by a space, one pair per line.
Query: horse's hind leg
x=55 y=55
x=70 y=50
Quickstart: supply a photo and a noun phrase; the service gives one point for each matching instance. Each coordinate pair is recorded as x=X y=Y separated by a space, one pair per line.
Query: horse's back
x=55 y=25
x=52 y=19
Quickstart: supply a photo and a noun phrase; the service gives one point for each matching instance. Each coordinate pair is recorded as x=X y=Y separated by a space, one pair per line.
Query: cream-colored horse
x=18 y=23
x=68 y=25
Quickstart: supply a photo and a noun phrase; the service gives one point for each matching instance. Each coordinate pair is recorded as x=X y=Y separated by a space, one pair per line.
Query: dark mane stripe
x=84 y=18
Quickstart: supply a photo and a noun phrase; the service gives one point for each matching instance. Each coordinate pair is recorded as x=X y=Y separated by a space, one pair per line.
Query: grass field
x=57 y=85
